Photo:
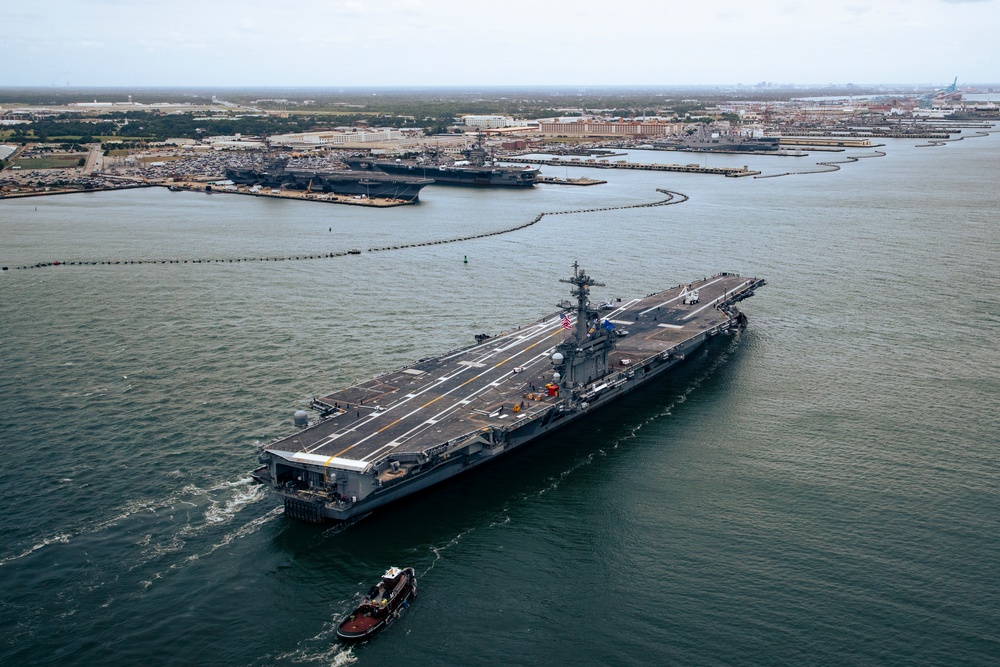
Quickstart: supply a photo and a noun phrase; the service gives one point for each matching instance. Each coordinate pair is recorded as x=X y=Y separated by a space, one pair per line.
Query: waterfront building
x=609 y=128
x=488 y=122
x=337 y=137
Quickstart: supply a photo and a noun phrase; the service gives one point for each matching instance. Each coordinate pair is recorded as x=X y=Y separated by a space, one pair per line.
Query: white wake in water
x=221 y=502
x=62 y=538
x=323 y=649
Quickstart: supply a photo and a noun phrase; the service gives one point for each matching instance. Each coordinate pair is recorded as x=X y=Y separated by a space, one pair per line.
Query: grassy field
x=50 y=161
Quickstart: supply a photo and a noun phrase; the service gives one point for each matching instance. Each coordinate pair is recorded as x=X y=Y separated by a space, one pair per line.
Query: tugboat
x=381 y=606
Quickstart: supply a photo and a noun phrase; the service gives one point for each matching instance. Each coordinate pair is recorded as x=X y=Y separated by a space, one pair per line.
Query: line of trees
x=152 y=126
x=434 y=115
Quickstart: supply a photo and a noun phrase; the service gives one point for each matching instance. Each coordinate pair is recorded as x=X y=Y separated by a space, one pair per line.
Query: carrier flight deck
x=400 y=432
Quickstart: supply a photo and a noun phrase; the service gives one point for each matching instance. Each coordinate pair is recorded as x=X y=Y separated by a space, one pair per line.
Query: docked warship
x=710 y=144
x=381 y=440
x=476 y=170
x=375 y=184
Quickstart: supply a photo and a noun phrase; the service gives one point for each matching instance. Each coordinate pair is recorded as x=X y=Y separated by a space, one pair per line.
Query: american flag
x=566 y=324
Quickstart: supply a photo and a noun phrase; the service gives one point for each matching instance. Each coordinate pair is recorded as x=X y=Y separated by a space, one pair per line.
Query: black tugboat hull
x=361 y=625
x=353 y=637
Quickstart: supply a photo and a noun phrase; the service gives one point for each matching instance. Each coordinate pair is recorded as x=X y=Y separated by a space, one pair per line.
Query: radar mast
x=585 y=351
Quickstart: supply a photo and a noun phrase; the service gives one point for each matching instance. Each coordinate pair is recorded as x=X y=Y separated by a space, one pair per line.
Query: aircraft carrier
x=476 y=170
x=381 y=440
x=373 y=184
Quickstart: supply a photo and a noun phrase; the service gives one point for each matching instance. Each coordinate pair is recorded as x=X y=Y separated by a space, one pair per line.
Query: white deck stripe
x=462 y=401
x=543 y=329
x=681 y=295
x=713 y=301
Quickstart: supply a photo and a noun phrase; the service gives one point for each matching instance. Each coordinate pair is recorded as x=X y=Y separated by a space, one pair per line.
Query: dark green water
x=822 y=489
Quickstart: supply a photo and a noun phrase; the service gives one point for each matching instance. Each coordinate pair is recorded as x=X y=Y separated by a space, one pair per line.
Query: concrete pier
x=731 y=172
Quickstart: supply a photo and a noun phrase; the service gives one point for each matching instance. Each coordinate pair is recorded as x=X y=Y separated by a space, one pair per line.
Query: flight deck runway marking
x=542 y=329
x=442 y=413
x=712 y=302
x=622 y=308
x=406 y=399
x=681 y=295
x=427 y=404
x=533 y=330
x=437 y=398
x=467 y=399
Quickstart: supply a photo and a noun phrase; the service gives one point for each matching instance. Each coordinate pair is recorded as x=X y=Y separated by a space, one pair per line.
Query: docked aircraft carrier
x=475 y=170
x=372 y=184
x=378 y=441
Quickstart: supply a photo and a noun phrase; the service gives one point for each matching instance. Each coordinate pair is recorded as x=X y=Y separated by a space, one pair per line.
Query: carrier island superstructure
x=380 y=440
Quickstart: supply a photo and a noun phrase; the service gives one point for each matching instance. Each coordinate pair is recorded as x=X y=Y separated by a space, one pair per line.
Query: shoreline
x=298 y=195
x=194 y=186
x=73 y=191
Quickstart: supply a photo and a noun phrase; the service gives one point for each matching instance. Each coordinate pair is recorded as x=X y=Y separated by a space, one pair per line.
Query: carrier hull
x=402 y=432
x=373 y=185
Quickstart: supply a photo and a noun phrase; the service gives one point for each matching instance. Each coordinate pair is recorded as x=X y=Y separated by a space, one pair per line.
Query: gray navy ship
x=476 y=170
x=376 y=184
x=381 y=440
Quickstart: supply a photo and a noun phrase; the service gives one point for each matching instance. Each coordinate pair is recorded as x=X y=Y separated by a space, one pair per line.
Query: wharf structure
x=731 y=172
x=381 y=440
x=825 y=141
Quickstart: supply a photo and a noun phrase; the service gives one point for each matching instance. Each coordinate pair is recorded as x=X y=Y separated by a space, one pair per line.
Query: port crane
x=942 y=95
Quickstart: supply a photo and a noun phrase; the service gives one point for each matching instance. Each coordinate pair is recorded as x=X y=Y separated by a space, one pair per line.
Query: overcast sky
x=464 y=42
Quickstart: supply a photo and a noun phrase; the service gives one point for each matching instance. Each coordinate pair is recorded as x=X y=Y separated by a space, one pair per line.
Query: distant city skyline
x=119 y=43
